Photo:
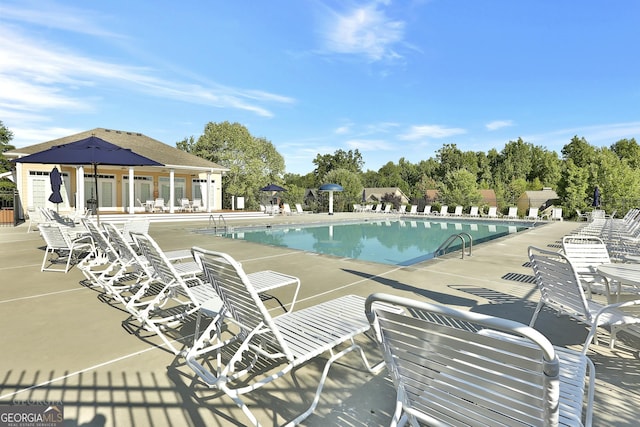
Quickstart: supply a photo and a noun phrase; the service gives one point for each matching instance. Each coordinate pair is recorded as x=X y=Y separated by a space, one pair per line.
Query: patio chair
x=426 y=210
x=444 y=210
x=65 y=248
x=178 y=299
x=285 y=342
x=453 y=367
x=533 y=214
x=512 y=213
x=35 y=218
x=196 y=205
x=130 y=283
x=102 y=262
x=556 y=214
x=134 y=226
x=387 y=208
x=457 y=211
x=378 y=208
x=185 y=205
x=159 y=206
x=473 y=212
x=561 y=289
x=413 y=210
x=299 y=209
x=493 y=212
x=586 y=253
x=286 y=209
x=403 y=209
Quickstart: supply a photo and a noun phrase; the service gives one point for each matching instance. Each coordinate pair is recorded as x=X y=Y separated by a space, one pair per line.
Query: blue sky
x=392 y=79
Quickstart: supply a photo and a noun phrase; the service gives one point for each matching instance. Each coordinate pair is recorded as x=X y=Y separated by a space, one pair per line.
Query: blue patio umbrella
x=272 y=187
x=331 y=188
x=89 y=151
x=56 y=183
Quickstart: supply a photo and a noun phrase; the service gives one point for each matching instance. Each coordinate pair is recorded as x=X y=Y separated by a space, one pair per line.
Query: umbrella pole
x=95 y=183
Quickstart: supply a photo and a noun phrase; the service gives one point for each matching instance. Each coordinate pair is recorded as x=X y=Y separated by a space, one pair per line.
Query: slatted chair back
x=533 y=213
x=128 y=255
x=413 y=210
x=101 y=242
x=240 y=297
x=513 y=212
x=585 y=252
x=457 y=211
x=164 y=270
x=444 y=210
x=453 y=367
x=493 y=212
x=474 y=211
x=426 y=210
x=559 y=285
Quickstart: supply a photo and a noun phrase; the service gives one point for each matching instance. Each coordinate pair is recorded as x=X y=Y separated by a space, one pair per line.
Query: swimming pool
x=395 y=242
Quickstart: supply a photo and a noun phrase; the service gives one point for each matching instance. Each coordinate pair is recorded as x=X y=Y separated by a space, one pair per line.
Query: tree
x=253 y=162
x=629 y=150
x=580 y=151
x=5 y=138
x=352 y=188
x=350 y=160
x=460 y=188
x=515 y=161
x=573 y=187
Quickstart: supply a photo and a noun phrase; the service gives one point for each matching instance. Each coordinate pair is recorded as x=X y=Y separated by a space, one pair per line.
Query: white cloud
x=343 y=130
x=498 y=124
x=365 y=30
x=369 y=145
x=430 y=131
x=42 y=78
x=597 y=135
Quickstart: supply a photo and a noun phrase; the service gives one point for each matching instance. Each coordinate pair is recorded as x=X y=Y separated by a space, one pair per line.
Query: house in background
x=183 y=175
x=540 y=199
x=375 y=194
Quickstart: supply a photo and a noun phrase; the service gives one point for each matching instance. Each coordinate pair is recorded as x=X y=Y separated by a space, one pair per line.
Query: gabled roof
x=378 y=193
x=137 y=142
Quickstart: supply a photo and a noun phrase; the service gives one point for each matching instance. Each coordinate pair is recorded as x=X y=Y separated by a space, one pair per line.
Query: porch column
x=172 y=190
x=209 y=193
x=131 y=189
x=80 y=202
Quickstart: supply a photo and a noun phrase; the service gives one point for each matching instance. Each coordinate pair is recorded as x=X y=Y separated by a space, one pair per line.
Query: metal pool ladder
x=451 y=239
x=213 y=224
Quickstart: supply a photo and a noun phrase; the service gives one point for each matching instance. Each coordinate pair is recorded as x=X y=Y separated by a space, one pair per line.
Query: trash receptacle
x=92 y=206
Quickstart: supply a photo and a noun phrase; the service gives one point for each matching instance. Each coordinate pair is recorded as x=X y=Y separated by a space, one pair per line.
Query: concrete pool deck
x=61 y=342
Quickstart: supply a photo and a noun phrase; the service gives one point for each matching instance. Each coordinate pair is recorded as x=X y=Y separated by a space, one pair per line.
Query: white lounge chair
x=556 y=214
x=179 y=298
x=473 y=212
x=533 y=214
x=286 y=209
x=387 y=208
x=196 y=205
x=457 y=211
x=301 y=211
x=286 y=341
x=378 y=208
x=402 y=209
x=453 y=367
x=444 y=210
x=413 y=210
x=65 y=248
x=561 y=289
x=426 y=210
x=493 y=212
x=513 y=212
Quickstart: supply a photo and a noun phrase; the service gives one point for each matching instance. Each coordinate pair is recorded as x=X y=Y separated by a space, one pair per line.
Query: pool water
x=395 y=242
